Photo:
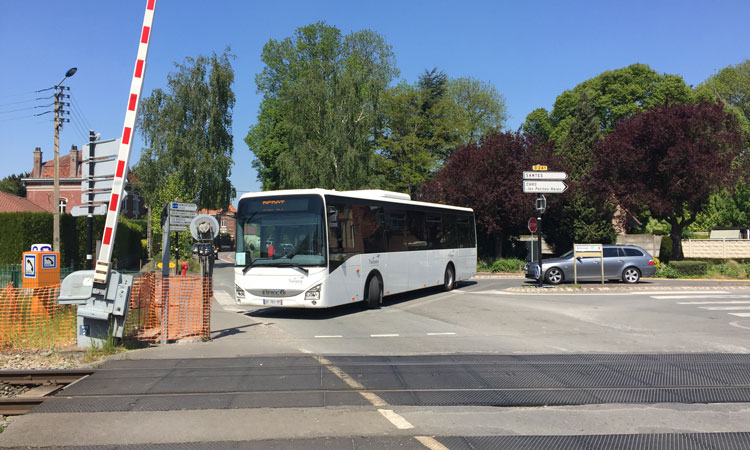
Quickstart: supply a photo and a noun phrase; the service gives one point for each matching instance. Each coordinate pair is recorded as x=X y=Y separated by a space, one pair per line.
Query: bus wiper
x=250 y=265
x=290 y=264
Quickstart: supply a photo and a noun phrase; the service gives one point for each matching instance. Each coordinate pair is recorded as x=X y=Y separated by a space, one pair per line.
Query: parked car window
x=610 y=252
x=633 y=252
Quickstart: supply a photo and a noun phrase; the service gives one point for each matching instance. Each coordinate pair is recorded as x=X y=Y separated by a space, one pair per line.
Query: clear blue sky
x=530 y=51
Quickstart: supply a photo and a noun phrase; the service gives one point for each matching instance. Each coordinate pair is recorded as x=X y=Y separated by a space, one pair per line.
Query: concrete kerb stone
x=726 y=285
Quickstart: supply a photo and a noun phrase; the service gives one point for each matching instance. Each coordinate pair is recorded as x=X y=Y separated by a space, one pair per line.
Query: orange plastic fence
x=185 y=313
x=32 y=319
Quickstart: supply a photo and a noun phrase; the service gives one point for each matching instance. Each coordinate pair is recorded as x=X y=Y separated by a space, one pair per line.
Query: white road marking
x=224 y=299
x=398 y=421
x=430 y=443
x=440 y=334
x=724 y=308
x=328 y=336
x=740 y=314
x=383 y=335
x=681 y=292
x=734 y=302
x=680 y=297
x=735 y=324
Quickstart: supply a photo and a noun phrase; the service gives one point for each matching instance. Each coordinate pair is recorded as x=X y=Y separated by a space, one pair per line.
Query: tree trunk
x=676 y=236
x=498 y=237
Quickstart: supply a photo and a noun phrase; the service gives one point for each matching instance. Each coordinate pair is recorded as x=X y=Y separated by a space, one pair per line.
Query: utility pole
x=59 y=90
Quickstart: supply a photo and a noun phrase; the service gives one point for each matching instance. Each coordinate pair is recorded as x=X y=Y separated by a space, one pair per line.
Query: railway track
x=45 y=384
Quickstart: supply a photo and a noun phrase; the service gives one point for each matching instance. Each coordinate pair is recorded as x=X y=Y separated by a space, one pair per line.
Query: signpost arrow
x=544 y=187
x=538 y=175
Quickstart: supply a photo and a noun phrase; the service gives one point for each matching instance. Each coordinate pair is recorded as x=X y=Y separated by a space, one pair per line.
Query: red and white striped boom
x=136 y=86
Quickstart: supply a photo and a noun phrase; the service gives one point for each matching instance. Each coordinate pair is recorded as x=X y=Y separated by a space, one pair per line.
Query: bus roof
x=365 y=194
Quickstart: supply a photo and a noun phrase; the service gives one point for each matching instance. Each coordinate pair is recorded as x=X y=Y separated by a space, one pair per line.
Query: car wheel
x=554 y=276
x=631 y=275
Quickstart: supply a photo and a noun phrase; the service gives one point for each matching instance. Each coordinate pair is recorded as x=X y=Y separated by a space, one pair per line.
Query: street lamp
x=56 y=195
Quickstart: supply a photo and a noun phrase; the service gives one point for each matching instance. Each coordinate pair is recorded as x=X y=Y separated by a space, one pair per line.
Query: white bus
x=316 y=248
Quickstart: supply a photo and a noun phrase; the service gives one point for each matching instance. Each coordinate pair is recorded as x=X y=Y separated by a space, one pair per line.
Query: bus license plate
x=273 y=301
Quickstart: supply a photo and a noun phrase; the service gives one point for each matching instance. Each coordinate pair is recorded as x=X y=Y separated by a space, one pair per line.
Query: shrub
x=667 y=271
x=483 y=266
x=731 y=269
x=507 y=265
x=690 y=268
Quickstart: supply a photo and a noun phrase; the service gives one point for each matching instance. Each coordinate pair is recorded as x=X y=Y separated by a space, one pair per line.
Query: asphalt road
x=665 y=362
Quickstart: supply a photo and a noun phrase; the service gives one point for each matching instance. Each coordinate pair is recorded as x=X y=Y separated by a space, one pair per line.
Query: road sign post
x=541 y=181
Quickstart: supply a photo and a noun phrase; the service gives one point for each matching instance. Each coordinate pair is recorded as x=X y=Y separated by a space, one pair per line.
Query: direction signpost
x=541 y=181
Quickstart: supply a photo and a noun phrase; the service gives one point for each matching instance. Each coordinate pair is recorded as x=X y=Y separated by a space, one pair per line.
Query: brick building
x=40 y=185
x=227 y=221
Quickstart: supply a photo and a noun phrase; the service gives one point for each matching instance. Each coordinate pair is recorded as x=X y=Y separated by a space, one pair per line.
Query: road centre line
x=740 y=314
x=731 y=302
x=725 y=308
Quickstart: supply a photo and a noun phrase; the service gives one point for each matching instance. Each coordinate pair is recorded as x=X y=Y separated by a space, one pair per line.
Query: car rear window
x=633 y=252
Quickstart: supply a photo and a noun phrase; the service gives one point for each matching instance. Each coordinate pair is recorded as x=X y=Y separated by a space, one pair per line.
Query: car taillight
x=650 y=262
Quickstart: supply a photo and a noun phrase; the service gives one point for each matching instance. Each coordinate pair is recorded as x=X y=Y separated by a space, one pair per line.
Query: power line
x=21 y=102
x=79 y=128
x=79 y=110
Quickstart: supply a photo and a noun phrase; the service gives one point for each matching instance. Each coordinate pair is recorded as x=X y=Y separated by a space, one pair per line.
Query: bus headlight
x=313 y=293
x=240 y=291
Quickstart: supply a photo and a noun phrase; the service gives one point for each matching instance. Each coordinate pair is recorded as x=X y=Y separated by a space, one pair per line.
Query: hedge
x=690 y=268
x=19 y=230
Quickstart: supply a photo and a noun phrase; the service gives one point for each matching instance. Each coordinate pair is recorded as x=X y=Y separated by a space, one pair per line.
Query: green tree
x=583 y=134
x=615 y=95
x=538 y=124
x=427 y=122
x=404 y=160
x=13 y=184
x=321 y=111
x=188 y=134
x=731 y=86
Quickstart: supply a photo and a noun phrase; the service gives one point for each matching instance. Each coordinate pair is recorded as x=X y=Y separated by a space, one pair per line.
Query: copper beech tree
x=669 y=161
x=488 y=178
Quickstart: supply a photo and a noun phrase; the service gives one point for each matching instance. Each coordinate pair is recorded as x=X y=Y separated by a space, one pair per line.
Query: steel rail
x=49 y=376
x=48 y=383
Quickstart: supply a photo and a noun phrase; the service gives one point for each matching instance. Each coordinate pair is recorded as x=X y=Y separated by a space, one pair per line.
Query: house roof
x=48 y=167
x=14 y=203
x=231 y=210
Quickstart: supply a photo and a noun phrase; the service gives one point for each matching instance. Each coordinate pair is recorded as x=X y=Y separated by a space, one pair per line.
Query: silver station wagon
x=621 y=262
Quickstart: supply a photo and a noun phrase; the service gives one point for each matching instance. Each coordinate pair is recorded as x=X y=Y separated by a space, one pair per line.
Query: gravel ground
x=46 y=359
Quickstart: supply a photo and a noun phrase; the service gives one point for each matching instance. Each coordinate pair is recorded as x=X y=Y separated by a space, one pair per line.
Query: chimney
x=36 y=172
x=73 y=167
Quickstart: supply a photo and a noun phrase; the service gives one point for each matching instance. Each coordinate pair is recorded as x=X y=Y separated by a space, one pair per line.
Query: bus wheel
x=374 y=293
x=449 y=282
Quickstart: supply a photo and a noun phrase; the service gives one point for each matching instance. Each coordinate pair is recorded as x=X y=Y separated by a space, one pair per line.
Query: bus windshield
x=281 y=231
